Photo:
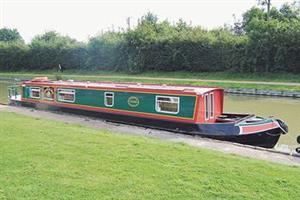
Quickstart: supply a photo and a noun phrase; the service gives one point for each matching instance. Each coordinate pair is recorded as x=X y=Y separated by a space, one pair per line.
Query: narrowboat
x=185 y=109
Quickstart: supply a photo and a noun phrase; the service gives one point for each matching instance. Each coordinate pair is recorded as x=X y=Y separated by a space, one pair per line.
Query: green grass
x=42 y=159
x=183 y=76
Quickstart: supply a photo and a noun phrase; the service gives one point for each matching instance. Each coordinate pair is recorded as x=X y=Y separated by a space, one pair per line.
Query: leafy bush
x=51 y=49
x=13 y=55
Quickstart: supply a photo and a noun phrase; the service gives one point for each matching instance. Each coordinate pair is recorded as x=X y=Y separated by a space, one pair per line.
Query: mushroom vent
x=38 y=79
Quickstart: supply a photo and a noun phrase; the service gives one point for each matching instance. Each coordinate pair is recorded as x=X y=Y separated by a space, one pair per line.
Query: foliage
x=50 y=49
x=104 y=51
x=261 y=45
x=44 y=159
x=10 y=35
x=13 y=51
x=273 y=44
x=13 y=55
x=261 y=42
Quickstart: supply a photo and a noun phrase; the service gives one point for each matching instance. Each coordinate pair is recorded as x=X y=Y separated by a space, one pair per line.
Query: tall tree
x=268 y=4
x=10 y=35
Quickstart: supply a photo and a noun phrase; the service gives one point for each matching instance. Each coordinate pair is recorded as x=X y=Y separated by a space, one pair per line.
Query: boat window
x=206 y=101
x=211 y=95
x=66 y=95
x=48 y=93
x=166 y=104
x=35 y=92
x=109 y=99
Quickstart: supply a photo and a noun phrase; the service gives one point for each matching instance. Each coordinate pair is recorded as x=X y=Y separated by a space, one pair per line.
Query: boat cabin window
x=209 y=106
x=66 y=95
x=167 y=104
x=211 y=115
x=206 y=106
x=109 y=99
x=35 y=92
x=48 y=93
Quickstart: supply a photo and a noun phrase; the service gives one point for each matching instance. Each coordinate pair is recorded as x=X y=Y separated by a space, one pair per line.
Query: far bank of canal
x=287 y=109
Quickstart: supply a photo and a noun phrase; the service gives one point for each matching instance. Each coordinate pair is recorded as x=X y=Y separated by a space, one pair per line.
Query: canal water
x=3 y=91
x=287 y=109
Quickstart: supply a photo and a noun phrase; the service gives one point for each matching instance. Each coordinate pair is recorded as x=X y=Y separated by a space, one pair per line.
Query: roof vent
x=38 y=79
x=188 y=89
x=121 y=86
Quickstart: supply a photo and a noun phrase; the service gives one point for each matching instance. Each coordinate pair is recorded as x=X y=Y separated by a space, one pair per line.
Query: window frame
x=157 y=108
x=34 y=88
x=62 y=100
x=113 y=99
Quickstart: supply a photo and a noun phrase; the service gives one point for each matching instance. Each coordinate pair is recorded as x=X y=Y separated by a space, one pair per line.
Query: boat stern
x=14 y=94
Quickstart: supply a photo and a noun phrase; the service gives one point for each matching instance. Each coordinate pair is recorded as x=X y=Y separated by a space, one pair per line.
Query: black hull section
x=266 y=139
x=224 y=132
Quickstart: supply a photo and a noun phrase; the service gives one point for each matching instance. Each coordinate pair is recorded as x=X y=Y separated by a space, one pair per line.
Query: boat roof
x=181 y=89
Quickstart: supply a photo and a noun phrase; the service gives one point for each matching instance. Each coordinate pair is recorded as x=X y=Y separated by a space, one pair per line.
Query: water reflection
x=3 y=91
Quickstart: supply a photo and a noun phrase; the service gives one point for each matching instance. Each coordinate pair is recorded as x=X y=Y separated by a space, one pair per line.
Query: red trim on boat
x=258 y=128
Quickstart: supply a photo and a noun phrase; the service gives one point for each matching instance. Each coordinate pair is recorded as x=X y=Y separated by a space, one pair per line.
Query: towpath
x=196 y=80
x=225 y=147
x=73 y=76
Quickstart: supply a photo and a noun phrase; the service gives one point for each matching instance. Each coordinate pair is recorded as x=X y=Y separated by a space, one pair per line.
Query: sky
x=82 y=19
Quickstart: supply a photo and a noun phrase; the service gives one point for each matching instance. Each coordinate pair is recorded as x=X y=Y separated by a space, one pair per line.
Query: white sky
x=81 y=19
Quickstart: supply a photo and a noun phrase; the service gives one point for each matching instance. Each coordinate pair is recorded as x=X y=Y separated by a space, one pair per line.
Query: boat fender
x=298 y=148
x=283 y=126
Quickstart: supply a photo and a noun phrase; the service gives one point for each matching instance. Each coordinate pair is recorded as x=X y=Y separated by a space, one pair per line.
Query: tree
x=10 y=35
x=268 y=4
x=49 y=50
x=183 y=26
x=53 y=36
x=290 y=12
x=253 y=14
x=149 y=18
x=237 y=27
x=13 y=56
x=104 y=51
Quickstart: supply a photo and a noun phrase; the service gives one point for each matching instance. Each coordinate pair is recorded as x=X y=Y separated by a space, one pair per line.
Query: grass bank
x=224 y=79
x=49 y=160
